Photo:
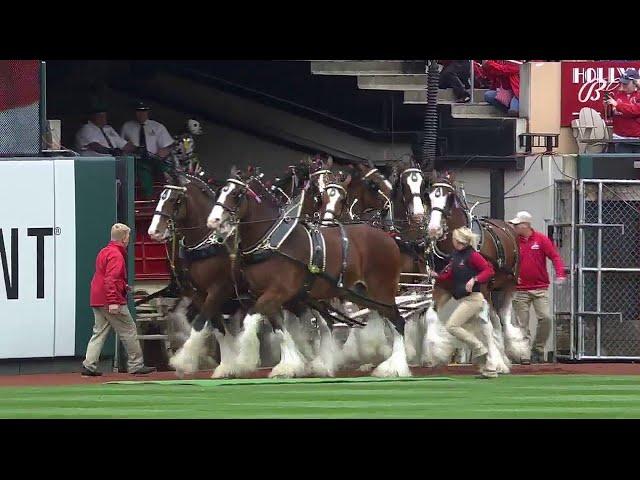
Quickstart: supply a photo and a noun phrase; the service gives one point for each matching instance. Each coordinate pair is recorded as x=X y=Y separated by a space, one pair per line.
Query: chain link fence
x=20 y=107
x=563 y=231
x=608 y=254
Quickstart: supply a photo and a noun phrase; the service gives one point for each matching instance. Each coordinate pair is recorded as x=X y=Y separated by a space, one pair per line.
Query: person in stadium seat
x=504 y=76
x=533 y=283
x=97 y=137
x=626 y=112
x=456 y=75
x=149 y=137
x=108 y=299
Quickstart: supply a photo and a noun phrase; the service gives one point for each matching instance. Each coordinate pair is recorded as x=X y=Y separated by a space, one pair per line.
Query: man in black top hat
x=153 y=144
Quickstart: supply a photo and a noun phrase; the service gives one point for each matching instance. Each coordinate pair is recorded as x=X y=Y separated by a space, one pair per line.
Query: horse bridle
x=211 y=238
x=182 y=191
x=341 y=189
x=445 y=186
x=411 y=171
x=445 y=213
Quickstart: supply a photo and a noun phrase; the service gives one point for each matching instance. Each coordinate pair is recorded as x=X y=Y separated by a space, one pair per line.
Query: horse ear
x=329 y=161
x=184 y=181
x=451 y=176
x=347 y=181
x=362 y=168
x=395 y=173
x=167 y=178
x=235 y=172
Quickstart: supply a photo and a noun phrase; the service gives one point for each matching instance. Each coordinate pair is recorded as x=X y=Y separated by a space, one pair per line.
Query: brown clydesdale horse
x=203 y=269
x=199 y=262
x=281 y=272
x=363 y=193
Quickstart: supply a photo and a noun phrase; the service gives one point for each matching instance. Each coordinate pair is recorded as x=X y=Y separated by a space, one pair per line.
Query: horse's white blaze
x=155 y=221
x=334 y=197
x=217 y=211
x=321 y=183
x=388 y=184
x=438 y=199
x=415 y=182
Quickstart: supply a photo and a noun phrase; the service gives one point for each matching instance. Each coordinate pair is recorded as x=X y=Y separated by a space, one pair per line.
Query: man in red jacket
x=109 y=303
x=626 y=112
x=533 y=282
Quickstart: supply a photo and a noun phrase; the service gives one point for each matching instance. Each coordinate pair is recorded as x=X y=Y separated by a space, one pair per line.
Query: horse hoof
x=221 y=372
x=392 y=368
x=286 y=372
x=367 y=367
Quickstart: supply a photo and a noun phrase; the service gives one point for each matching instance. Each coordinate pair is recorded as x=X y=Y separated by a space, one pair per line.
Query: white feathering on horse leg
x=498 y=338
x=373 y=343
x=411 y=339
x=228 y=354
x=302 y=331
x=516 y=345
x=185 y=361
x=350 y=349
x=494 y=358
x=326 y=361
x=396 y=365
x=292 y=363
x=369 y=338
x=248 y=345
x=438 y=344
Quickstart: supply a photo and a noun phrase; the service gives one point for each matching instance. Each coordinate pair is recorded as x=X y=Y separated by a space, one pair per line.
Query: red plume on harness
x=255 y=196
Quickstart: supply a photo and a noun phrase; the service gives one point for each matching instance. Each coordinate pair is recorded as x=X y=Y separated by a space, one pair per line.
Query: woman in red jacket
x=109 y=303
x=504 y=76
x=468 y=269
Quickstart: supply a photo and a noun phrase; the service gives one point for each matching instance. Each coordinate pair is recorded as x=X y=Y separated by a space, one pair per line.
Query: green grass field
x=543 y=396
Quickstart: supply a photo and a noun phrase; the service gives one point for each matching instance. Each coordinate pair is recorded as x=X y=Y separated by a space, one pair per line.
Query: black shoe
x=144 y=371
x=90 y=373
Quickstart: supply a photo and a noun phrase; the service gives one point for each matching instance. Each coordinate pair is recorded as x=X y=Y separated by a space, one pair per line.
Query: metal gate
x=597 y=229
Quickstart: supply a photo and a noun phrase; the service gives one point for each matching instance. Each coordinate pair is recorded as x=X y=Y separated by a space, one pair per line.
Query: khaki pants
x=125 y=327
x=521 y=305
x=467 y=310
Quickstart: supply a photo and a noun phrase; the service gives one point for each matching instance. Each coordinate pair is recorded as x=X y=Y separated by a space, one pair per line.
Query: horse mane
x=266 y=193
x=204 y=185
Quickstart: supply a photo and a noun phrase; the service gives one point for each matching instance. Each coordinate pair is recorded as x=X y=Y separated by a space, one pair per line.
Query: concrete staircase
x=407 y=76
x=460 y=123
